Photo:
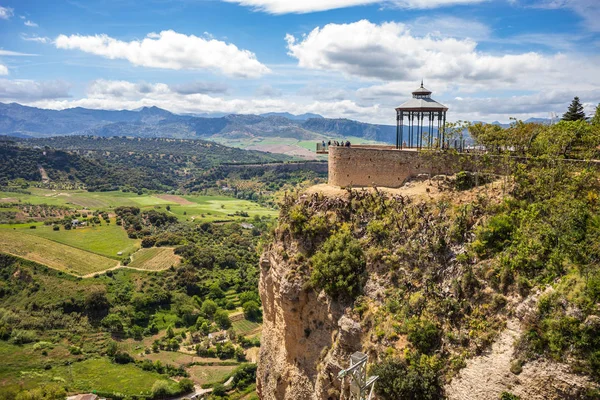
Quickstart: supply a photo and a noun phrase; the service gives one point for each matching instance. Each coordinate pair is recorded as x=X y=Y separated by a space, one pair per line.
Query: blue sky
x=485 y=59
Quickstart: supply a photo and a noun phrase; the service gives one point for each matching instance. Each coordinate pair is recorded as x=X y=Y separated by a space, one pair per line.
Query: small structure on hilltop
x=420 y=107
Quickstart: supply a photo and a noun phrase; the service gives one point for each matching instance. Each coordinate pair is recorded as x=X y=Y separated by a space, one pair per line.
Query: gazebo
x=418 y=108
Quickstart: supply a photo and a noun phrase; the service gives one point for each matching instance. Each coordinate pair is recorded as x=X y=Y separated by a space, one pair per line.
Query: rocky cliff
x=430 y=316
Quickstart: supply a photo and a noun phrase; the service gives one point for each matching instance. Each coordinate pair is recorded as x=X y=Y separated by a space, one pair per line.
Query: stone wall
x=387 y=167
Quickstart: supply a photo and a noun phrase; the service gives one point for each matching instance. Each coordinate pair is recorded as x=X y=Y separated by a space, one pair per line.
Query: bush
x=424 y=335
x=339 y=266
x=219 y=390
x=186 y=385
x=222 y=319
x=494 y=236
x=56 y=228
x=252 y=310
x=19 y=337
x=413 y=379
x=161 y=389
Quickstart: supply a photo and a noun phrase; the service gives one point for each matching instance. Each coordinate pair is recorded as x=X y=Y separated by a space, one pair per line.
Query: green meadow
x=106 y=239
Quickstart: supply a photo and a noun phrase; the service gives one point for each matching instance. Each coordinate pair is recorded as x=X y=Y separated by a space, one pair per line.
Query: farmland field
x=55 y=255
x=24 y=366
x=106 y=240
x=244 y=327
x=210 y=373
x=154 y=259
x=196 y=208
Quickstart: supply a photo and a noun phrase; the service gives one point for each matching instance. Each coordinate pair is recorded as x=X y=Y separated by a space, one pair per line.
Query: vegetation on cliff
x=433 y=282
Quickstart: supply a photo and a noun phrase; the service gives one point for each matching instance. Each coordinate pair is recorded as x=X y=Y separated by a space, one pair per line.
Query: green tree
x=208 y=309
x=222 y=319
x=339 y=266
x=251 y=310
x=575 y=111
x=161 y=389
x=596 y=118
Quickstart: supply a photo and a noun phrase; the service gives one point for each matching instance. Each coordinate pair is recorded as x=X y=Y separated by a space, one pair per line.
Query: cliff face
x=305 y=336
x=420 y=302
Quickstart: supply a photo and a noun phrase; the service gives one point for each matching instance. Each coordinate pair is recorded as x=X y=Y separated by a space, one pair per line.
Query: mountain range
x=23 y=121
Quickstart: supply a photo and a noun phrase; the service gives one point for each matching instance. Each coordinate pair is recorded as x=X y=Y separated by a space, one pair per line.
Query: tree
x=208 y=308
x=222 y=319
x=251 y=310
x=339 y=266
x=575 y=111
x=161 y=389
x=596 y=118
x=219 y=390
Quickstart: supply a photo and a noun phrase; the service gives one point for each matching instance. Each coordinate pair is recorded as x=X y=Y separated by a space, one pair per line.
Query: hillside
x=99 y=163
x=17 y=120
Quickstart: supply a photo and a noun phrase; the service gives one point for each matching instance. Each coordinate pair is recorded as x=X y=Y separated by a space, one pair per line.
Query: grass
x=154 y=259
x=204 y=208
x=202 y=374
x=24 y=366
x=55 y=255
x=106 y=240
x=244 y=326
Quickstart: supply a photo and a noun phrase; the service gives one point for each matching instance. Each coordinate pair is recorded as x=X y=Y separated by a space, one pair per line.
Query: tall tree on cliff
x=596 y=118
x=575 y=111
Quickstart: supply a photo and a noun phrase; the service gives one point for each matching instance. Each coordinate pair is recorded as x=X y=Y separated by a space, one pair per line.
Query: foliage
x=339 y=266
x=415 y=378
x=575 y=111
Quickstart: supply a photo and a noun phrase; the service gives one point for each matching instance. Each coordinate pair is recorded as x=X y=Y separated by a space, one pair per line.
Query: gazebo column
x=401 y=129
x=444 y=130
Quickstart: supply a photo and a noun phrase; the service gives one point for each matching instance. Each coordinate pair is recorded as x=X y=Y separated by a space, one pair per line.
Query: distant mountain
x=23 y=121
x=301 y=117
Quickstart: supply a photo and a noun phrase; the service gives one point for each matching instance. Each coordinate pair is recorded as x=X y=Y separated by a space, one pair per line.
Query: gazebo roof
x=421 y=101
x=422 y=104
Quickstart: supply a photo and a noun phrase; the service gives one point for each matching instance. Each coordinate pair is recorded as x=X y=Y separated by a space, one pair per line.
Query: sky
x=487 y=60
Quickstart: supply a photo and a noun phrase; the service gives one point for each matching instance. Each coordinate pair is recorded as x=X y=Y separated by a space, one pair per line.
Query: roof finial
x=421 y=82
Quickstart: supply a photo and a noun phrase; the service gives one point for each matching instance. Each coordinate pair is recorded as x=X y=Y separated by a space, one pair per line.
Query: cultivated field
x=210 y=373
x=196 y=208
x=154 y=259
x=55 y=255
x=106 y=240
x=245 y=327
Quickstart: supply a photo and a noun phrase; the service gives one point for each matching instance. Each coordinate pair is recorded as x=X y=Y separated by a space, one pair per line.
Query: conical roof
x=421 y=101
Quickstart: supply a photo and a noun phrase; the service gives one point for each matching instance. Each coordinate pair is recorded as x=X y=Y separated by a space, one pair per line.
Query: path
x=119 y=266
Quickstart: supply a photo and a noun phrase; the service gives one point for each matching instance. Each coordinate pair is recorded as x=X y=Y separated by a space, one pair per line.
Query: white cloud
x=308 y=6
x=15 y=53
x=588 y=10
x=6 y=12
x=200 y=87
x=268 y=91
x=30 y=24
x=390 y=52
x=171 y=50
x=3 y=70
x=448 y=26
x=28 y=90
x=38 y=39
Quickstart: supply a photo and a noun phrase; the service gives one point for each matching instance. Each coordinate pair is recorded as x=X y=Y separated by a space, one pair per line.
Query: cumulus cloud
x=30 y=24
x=389 y=51
x=6 y=12
x=170 y=50
x=28 y=90
x=308 y=6
x=3 y=70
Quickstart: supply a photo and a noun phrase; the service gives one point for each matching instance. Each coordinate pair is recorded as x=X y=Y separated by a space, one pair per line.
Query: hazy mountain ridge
x=19 y=120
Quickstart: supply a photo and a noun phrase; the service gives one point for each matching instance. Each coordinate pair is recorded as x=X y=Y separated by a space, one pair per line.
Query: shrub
x=56 y=228
x=161 y=389
x=424 y=335
x=339 y=266
x=222 y=319
x=252 y=310
x=494 y=236
x=219 y=390
x=415 y=378
x=19 y=336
